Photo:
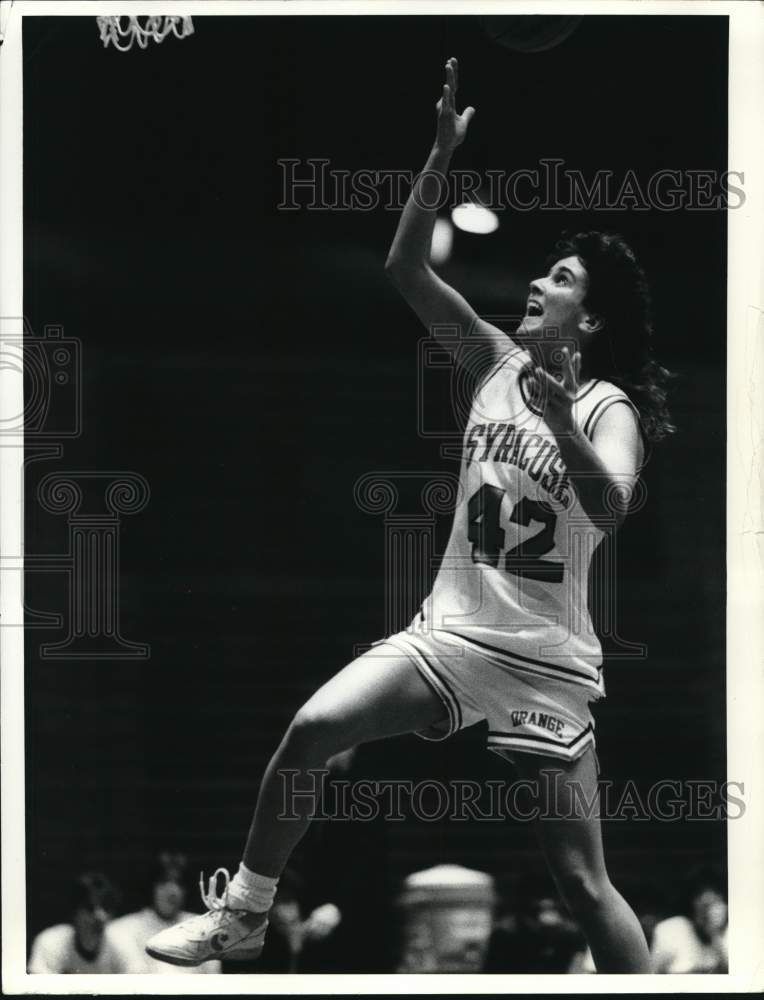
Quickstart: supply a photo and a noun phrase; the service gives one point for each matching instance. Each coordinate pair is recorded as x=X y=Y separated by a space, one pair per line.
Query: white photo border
x=745 y=517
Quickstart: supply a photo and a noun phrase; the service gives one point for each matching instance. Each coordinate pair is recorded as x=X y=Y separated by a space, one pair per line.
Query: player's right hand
x=452 y=127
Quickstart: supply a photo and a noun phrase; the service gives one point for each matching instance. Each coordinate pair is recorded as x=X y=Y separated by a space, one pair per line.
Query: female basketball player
x=553 y=446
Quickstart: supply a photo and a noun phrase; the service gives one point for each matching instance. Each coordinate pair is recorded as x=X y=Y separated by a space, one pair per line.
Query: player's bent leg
x=377 y=695
x=571 y=838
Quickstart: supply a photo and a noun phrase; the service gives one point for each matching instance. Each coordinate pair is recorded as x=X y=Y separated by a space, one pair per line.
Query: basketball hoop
x=157 y=27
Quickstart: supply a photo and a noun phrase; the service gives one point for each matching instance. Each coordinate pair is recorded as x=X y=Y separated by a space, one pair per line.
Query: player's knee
x=582 y=891
x=313 y=729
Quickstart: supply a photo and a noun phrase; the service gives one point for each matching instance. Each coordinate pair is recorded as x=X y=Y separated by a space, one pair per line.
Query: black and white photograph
x=381 y=569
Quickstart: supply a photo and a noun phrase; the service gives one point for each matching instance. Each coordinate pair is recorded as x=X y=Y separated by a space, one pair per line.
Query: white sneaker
x=222 y=932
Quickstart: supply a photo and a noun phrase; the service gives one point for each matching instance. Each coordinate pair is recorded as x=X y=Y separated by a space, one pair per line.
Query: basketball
x=530 y=33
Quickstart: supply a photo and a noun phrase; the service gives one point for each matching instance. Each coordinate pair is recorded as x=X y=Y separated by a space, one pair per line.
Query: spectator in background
x=696 y=940
x=166 y=890
x=291 y=935
x=83 y=945
x=534 y=936
x=332 y=911
x=351 y=924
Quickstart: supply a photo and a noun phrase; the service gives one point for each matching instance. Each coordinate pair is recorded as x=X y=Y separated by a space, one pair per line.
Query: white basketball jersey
x=514 y=577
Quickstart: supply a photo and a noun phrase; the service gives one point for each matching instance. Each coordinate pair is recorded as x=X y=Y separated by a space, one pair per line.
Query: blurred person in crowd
x=695 y=940
x=349 y=892
x=282 y=949
x=533 y=935
x=166 y=891
x=83 y=945
x=291 y=934
x=322 y=921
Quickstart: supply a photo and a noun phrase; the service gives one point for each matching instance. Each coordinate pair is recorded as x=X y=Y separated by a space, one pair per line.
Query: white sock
x=250 y=891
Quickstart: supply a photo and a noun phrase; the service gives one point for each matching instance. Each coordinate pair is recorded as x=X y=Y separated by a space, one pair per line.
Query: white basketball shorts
x=526 y=711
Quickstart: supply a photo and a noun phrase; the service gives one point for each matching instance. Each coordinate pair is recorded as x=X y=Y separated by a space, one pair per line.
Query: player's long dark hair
x=621 y=352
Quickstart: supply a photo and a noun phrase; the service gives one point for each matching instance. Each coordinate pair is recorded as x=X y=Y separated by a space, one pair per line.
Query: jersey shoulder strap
x=595 y=399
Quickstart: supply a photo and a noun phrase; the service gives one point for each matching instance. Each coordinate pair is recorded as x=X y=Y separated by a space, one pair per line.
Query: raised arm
x=408 y=263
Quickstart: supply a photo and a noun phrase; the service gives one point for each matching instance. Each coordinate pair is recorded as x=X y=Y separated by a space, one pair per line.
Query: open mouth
x=533 y=308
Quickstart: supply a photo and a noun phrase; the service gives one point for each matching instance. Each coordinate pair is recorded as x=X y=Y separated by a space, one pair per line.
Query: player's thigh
x=568 y=824
x=379 y=694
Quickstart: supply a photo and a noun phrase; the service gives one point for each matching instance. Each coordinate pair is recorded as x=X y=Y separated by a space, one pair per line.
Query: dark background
x=252 y=364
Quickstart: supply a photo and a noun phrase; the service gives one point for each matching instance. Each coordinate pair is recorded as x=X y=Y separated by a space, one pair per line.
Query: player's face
x=168 y=899
x=555 y=309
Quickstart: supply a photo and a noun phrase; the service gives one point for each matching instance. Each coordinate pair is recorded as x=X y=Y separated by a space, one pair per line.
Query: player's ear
x=592 y=322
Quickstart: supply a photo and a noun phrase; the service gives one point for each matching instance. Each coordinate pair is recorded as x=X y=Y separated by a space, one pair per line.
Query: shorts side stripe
x=452 y=727
x=497 y=737
x=448 y=688
x=432 y=678
x=548 y=748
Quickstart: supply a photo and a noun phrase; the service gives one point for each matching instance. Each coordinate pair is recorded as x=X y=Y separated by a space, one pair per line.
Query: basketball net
x=156 y=27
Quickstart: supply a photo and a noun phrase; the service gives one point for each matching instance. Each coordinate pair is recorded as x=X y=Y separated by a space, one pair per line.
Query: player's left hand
x=556 y=397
